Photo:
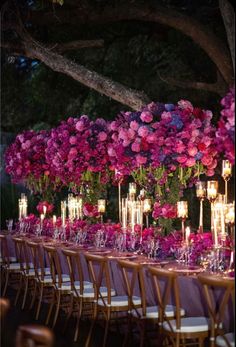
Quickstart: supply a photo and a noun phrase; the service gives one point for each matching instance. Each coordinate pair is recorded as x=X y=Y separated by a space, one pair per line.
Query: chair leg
x=50 y=309
x=91 y=326
x=18 y=291
x=143 y=330
x=69 y=312
x=33 y=296
x=127 y=334
x=106 y=327
x=39 y=303
x=78 y=320
x=25 y=293
x=57 y=309
x=6 y=284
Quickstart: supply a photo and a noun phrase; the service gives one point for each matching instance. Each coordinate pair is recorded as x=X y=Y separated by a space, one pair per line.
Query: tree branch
x=227 y=12
x=103 y=85
x=200 y=34
x=73 y=45
x=219 y=87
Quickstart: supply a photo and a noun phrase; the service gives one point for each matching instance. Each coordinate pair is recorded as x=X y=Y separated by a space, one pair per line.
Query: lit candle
x=212 y=190
x=187 y=234
x=182 y=209
x=230 y=214
x=132 y=188
x=44 y=210
x=226 y=169
x=101 y=205
x=147 y=205
x=41 y=219
x=63 y=212
x=201 y=189
x=54 y=219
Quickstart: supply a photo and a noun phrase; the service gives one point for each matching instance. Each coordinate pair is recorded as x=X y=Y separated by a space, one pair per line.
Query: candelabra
x=201 y=195
x=182 y=212
x=226 y=174
x=212 y=191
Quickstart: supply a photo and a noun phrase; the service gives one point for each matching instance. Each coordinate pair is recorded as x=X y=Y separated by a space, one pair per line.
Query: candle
x=187 y=234
x=215 y=233
x=230 y=214
x=212 y=190
x=147 y=204
x=132 y=188
x=201 y=189
x=226 y=169
x=101 y=205
x=54 y=219
x=182 y=209
x=63 y=212
x=44 y=210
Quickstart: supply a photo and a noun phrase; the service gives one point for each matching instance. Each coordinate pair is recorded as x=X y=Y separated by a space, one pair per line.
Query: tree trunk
x=126 y=96
x=227 y=12
x=201 y=35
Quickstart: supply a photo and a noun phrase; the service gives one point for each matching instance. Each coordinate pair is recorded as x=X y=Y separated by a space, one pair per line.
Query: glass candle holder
x=147 y=207
x=132 y=189
x=102 y=207
x=182 y=212
x=212 y=191
x=226 y=174
x=201 y=195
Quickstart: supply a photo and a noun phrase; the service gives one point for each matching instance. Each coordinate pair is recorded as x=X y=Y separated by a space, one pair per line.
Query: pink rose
x=190 y=162
x=135 y=147
x=146 y=117
x=102 y=136
x=143 y=131
x=140 y=159
x=79 y=126
x=134 y=125
x=192 y=151
x=73 y=140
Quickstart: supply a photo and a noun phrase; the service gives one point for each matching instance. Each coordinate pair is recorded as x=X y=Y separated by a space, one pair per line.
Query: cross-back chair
x=106 y=301
x=61 y=284
x=44 y=284
x=10 y=267
x=83 y=292
x=27 y=278
x=179 y=330
x=219 y=294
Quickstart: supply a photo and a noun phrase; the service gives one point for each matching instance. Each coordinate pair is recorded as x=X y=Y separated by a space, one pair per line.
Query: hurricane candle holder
x=230 y=219
x=226 y=174
x=201 y=195
x=63 y=212
x=132 y=190
x=219 y=219
x=182 y=212
x=101 y=208
x=147 y=207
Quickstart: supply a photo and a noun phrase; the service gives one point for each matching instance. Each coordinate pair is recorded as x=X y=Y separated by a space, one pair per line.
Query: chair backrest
x=21 y=253
x=37 y=255
x=55 y=264
x=99 y=271
x=4 y=307
x=4 y=250
x=74 y=263
x=219 y=294
x=166 y=288
x=34 y=336
x=133 y=278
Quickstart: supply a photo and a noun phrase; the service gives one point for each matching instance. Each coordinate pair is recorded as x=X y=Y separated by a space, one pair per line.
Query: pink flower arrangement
x=225 y=135
x=26 y=163
x=163 y=135
x=77 y=146
x=165 y=210
x=90 y=210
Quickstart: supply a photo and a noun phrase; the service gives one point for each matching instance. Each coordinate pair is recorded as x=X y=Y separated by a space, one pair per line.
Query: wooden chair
x=83 y=291
x=217 y=307
x=27 y=278
x=179 y=329
x=61 y=284
x=44 y=283
x=4 y=307
x=34 y=336
x=134 y=279
x=10 y=267
x=106 y=301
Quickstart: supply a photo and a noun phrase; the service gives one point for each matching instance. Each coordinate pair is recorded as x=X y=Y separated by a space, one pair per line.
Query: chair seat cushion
x=189 y=325
x=120 y=301
x=220 y=341
x=89 y=292
x=14 y=266
x=47 y=271
x=152 y=312
x=87 y=284
x=48 y=278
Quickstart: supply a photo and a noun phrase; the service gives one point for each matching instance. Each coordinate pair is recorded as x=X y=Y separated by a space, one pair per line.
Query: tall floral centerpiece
x=164 y=147
x=26 y=163
x=225 y=135
x=77 y=154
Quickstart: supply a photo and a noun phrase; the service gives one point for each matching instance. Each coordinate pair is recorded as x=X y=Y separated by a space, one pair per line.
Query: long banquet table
x=191 y=294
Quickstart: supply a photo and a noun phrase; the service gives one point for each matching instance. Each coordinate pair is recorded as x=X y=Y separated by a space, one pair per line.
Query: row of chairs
x=97 y=299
